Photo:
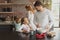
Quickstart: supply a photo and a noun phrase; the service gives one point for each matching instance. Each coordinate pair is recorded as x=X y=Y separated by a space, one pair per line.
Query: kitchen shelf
x=12 y=4
x=6 y=12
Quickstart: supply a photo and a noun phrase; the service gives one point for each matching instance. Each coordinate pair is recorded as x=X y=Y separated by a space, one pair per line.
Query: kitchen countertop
x=13 y=35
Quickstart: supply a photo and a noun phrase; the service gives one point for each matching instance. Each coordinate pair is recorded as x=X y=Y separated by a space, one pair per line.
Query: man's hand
x=47 y=28
x=38 y=25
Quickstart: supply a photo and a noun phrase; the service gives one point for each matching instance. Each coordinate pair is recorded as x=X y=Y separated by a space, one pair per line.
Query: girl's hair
x=16 y=17
x=22 y=20
x=28 y=7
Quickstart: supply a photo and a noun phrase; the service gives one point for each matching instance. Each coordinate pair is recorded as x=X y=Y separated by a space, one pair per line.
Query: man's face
x=38 y=8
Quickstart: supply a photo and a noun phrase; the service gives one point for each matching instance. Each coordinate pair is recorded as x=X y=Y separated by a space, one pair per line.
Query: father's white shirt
x=44 y=18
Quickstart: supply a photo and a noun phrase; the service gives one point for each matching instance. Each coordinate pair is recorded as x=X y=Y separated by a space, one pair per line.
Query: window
x=55 y=10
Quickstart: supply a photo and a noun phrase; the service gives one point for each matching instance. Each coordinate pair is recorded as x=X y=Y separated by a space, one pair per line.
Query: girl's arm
x=30 y=27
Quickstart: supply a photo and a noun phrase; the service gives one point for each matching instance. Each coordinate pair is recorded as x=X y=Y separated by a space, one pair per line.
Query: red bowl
x=40 y=35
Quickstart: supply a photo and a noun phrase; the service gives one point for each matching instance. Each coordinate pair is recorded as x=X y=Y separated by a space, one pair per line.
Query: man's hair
x=38 y=3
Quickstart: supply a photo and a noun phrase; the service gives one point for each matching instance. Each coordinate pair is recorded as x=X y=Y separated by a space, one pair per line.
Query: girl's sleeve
x=29 y=15
x=20 y=29
x=35 y=19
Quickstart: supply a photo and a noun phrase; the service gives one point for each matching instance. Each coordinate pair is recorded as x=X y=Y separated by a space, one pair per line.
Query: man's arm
x=50 y=16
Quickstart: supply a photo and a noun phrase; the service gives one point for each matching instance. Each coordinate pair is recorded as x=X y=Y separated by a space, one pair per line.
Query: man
x=43 y=17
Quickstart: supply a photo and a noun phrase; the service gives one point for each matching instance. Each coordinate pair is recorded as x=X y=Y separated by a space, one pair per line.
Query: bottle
x=32 y=32
x=6 y=2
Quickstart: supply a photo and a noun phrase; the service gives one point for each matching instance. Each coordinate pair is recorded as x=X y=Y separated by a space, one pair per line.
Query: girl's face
x=26 y=21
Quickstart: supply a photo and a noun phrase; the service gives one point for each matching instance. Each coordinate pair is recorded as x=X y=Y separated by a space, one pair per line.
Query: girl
x=17 y=23
x=25 y=29
x=31 y=12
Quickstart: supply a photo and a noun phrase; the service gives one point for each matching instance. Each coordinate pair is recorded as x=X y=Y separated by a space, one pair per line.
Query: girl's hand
x=24 y=31
x=30 y=28
x=47 y=28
